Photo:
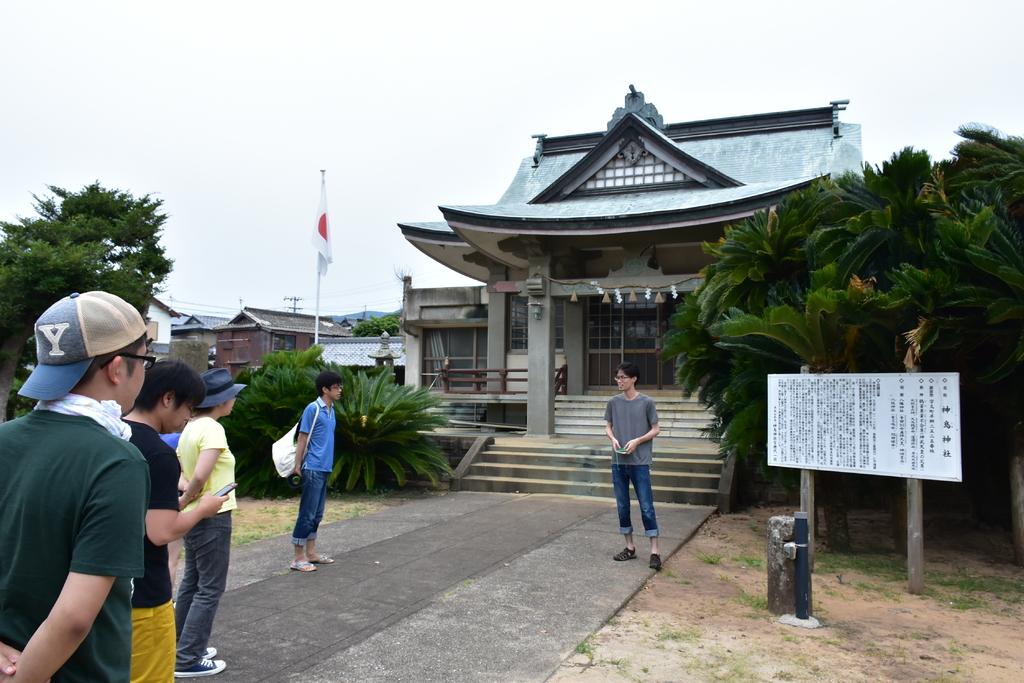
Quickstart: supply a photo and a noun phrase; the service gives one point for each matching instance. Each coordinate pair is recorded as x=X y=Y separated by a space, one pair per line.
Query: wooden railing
x=562 y=380
x=492 y=380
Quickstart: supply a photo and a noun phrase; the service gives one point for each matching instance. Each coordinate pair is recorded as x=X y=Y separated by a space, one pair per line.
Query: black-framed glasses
x=621 y=377
x=147 y=361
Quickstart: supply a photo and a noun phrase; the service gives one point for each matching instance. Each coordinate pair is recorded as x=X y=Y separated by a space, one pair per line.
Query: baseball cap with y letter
x=73 y=331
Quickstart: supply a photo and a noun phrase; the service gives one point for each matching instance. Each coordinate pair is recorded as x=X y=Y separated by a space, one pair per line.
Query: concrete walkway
x=463 y=587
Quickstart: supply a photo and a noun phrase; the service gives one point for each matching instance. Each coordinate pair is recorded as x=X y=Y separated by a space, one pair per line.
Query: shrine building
x=590 y=248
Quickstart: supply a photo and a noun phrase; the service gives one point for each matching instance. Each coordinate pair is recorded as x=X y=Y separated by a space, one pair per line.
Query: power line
x=295 y=302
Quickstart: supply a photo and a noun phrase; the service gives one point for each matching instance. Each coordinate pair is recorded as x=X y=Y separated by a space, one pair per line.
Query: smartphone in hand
x=227 y=489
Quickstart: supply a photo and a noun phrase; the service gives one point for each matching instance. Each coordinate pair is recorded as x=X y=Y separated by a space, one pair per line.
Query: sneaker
x=210 y=653
x=655 y=562
x=204 y=667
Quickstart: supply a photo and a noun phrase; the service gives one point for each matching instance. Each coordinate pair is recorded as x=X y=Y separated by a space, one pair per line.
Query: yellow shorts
x=153 y=644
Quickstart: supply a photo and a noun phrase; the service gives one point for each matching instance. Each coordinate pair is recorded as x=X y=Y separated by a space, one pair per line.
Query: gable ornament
x=632 y=151
x=635 y=104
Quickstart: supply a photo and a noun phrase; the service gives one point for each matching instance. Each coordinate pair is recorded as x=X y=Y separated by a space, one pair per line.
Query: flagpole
x=316 y=322
x=319 y=273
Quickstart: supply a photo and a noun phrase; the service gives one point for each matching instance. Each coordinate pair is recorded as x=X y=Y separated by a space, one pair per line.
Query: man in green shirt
x=74 y=495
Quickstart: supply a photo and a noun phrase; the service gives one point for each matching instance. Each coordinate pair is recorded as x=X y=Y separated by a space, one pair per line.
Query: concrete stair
x=461 y=410
x=686 y=470
x=584 y=415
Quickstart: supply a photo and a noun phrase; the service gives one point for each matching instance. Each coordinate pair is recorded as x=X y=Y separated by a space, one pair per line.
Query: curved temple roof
x=733 y=166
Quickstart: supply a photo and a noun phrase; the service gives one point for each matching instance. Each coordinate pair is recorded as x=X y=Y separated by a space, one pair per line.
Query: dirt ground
x=704 y=618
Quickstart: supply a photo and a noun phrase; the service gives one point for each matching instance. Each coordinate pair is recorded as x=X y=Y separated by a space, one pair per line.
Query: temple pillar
x=575 y=348
x=540 y=406
x=497 y=320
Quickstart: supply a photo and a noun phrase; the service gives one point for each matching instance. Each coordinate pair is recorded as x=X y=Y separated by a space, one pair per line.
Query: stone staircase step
x=663 y=494
x=595 y=460
x=692 y=448
x=585 y=431
x=603 y=475
x=599 y=421
x=598 y=412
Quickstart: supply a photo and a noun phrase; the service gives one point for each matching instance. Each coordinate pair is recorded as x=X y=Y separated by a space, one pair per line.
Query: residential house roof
x=282 y=321
x=357 y=350
x=190 y=322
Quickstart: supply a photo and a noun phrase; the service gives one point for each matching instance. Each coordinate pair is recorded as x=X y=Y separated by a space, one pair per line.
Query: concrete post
x=191 y=352
x=413 y=357
x=540 y=406
x=497 y=320
x=575 y=349
x=780 y=568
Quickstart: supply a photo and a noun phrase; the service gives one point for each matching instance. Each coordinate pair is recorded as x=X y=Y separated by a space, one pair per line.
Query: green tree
x=986 y=238
x=908 y=264
x=95 y=238
x=374 y=327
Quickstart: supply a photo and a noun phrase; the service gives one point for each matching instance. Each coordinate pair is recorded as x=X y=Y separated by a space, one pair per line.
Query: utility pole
x=295 y=302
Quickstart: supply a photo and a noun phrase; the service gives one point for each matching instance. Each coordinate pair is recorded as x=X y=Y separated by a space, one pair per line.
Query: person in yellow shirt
x=209 y=466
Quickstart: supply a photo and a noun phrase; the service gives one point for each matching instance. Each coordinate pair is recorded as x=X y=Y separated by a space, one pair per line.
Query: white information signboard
x=899 y=425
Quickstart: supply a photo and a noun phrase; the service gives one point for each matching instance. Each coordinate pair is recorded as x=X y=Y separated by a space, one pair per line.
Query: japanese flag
x=322 y=232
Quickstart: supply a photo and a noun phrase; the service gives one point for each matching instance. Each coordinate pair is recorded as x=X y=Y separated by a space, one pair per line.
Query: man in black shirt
x=165 y=403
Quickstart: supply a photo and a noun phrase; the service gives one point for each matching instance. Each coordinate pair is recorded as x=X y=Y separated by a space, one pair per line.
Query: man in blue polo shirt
x=314 y=460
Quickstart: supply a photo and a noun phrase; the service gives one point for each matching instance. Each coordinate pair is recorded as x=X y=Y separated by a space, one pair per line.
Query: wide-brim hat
x=220 y=387
x=74 y=331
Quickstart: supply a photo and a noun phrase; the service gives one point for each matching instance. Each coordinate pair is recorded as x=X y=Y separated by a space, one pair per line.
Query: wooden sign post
x=903 y=425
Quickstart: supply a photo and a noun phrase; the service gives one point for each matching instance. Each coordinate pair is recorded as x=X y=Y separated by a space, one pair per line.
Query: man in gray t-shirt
x=631 y=423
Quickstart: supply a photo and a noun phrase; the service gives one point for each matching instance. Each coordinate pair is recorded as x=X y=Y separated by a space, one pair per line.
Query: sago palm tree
x=384 y=426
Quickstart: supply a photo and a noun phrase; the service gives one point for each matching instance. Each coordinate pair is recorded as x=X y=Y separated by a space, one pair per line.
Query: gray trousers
x=207 y=553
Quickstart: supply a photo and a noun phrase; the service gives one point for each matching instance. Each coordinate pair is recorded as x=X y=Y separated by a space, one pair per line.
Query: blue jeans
x=311 y=506
x=640 y=475
x=207 y=553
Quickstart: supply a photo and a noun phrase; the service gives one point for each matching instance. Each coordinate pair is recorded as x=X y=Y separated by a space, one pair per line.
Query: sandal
x=625 y=554
x=303 y=567
x=323 y=559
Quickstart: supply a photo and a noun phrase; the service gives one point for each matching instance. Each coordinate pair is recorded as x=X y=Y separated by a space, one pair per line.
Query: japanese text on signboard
x=900 y=424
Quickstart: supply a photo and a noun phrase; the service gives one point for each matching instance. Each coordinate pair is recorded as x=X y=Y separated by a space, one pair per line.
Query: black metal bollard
x=802 y=590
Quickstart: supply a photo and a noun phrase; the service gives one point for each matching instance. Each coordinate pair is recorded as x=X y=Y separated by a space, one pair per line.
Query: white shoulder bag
x=283 y=450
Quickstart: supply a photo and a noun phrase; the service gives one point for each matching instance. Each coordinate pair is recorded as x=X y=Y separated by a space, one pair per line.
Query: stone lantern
x=385 y=355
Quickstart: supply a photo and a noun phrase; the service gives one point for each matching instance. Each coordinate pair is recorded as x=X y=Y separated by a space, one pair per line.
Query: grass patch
x=886 y=566
x=868 y=587
x=964 y=590
x=968 y=582
x=709 y=558
x=690 y=635
x=749 y=561
x=966 y=602
x=730 y=667
x=255 y=519
x=756 y=602
x=586 y=648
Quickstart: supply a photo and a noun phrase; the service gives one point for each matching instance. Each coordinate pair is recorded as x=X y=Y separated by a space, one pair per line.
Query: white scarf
x=106 y=413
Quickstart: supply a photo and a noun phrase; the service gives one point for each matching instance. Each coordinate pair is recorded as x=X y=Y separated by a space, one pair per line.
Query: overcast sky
x=227 y=110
